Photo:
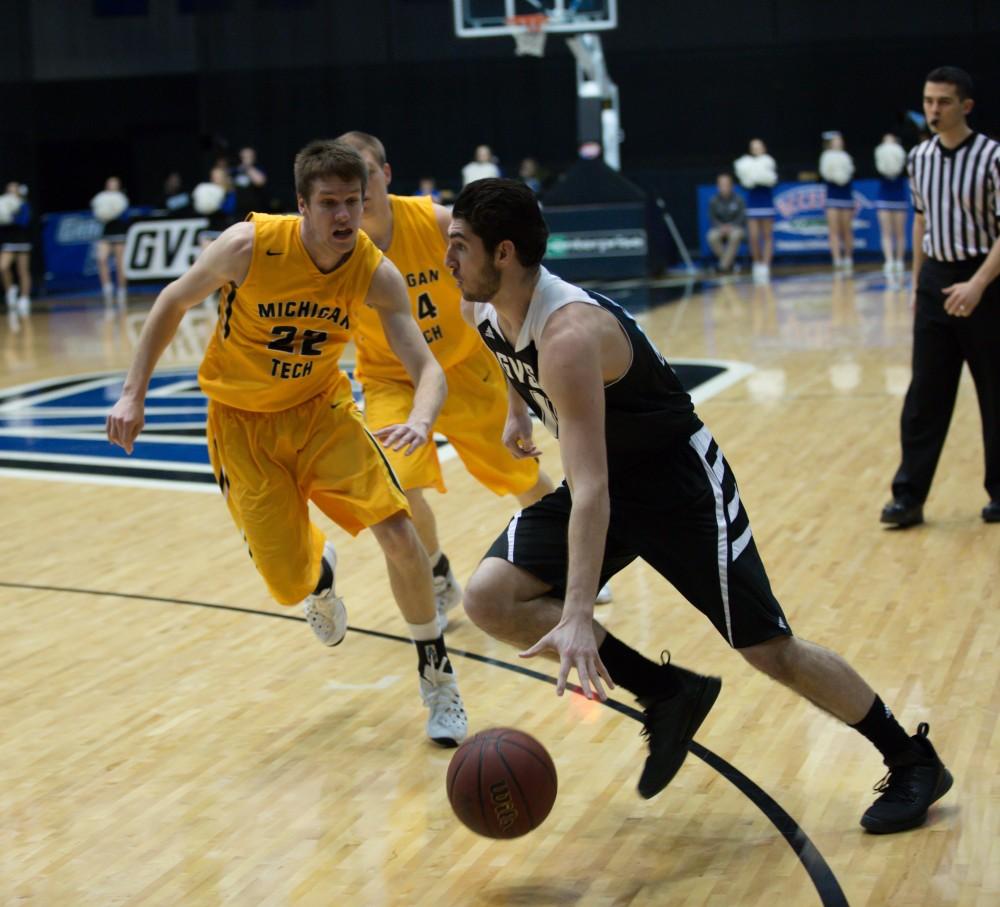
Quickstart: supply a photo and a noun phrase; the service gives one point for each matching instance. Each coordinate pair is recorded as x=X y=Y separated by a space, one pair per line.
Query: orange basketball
x=502 y=783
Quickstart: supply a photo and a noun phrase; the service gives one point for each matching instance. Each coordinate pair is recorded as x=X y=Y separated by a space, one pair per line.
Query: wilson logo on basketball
x=503 y=805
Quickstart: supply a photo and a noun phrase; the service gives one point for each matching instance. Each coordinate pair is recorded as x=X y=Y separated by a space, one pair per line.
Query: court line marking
x=812 y=861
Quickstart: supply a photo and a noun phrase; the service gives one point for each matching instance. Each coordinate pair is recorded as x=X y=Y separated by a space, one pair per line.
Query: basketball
x=501 y=783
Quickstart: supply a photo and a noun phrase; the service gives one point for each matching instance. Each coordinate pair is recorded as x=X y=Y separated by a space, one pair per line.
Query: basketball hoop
x=530 y=40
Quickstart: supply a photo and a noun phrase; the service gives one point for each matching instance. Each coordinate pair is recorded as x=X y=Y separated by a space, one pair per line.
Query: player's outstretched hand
x=573 y=641
x=408 y=435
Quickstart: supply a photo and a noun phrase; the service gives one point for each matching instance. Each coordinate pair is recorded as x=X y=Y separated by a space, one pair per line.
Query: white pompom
x=109 y=205
x=756 y=170
x=744 y=168
x=767 y=170
x=890 y=159
x=208 y=198
x=836 y=166
x=9 y=205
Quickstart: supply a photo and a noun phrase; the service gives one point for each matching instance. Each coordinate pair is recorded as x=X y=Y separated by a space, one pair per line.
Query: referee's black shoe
x=916 y=778
x=902 y=514
x=991 y=512
x=670 y=725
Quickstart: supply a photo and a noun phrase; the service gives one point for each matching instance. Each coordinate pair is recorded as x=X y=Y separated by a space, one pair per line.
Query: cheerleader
x=758 y=174
x=215 y=200
x=892 y=203
x=15 y=249
x=836 y=168
x=109 y=207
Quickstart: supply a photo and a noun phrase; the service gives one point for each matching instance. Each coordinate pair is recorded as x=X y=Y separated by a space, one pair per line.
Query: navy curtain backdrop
x=143 y=87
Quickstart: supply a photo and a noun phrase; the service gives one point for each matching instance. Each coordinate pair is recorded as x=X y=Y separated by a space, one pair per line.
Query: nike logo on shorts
x=269 y=252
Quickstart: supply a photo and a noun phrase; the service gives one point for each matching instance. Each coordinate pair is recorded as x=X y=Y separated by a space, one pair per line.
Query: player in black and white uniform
x=644 y=478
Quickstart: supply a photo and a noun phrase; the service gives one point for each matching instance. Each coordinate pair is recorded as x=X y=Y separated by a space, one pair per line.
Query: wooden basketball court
x=171 y=736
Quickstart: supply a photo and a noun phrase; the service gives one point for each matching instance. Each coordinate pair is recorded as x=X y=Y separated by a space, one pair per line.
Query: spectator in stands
x=428 y=186
x=15 y=250
x=758 y=174
x=249 y=181
x=727 y=215
x=176 y=201
x=482 y=166
x=528 y=174
x=110 y=207
x=892 y=203
x=836 y=168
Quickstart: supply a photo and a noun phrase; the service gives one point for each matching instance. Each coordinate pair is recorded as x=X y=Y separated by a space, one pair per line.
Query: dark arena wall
x=88 y=92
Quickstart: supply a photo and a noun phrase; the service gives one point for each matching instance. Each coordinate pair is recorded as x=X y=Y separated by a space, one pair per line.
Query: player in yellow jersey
x=412 y=232
x=282 y=425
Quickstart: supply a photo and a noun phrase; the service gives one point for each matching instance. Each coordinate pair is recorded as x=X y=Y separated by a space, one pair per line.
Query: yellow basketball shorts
x=472 y=419
x=270 y=465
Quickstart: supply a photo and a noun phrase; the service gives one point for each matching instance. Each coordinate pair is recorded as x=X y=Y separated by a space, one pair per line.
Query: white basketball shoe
x=447 y=724
x=604 y=595
x=325 y=612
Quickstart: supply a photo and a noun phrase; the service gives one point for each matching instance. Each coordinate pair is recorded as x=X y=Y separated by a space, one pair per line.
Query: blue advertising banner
x=800 y=224
x=68 y=240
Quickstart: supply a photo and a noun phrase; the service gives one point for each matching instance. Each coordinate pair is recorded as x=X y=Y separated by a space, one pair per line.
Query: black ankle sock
x=432 y=651
x=635 y=672
x=442 y=566
x=325 y=578
x=883 y=730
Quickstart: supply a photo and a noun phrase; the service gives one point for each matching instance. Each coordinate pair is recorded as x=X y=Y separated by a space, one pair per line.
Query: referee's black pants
x=941 y=343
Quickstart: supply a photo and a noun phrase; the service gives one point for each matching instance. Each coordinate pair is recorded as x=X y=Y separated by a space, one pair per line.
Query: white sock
x=24 y=305
x=109 y=292
x=424 y=632
x=12 y=296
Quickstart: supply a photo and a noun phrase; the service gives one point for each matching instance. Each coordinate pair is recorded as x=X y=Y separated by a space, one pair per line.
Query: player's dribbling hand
x=124 y=422
x=409 y=435
x=517 y=437
x=573 y=641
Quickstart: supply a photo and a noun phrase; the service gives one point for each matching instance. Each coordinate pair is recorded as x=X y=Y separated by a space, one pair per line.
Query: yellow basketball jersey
x=281 y=332
x=418 y=250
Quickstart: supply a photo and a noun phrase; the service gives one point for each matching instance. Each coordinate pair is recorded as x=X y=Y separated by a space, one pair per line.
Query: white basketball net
x=531 y=41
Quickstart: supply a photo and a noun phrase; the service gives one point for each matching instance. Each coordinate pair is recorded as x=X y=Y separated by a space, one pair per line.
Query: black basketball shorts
x=680 y=511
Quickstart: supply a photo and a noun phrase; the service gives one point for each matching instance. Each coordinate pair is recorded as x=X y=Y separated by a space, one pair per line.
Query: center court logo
x=54 y=429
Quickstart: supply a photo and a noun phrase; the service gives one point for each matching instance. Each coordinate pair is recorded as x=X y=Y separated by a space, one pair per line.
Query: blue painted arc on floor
x=55 y=428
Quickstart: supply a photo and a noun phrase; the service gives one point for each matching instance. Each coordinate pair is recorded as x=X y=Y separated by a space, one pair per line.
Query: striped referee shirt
x=958 y=192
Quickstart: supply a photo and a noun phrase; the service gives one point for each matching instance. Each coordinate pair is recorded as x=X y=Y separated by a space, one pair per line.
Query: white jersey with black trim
x=645 y=409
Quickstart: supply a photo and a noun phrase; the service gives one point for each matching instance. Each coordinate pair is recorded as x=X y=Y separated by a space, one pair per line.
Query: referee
x=955 y=180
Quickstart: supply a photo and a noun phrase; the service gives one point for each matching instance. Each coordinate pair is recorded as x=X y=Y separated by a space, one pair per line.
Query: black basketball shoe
x=914 y=781
x=670 y=725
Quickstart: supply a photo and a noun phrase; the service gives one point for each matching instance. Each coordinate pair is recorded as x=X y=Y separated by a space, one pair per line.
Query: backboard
x=489 y=18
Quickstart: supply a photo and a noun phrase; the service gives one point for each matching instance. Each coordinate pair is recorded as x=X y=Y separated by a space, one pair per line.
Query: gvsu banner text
x=69 y=240
x=800 y=220
x=162 y=249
